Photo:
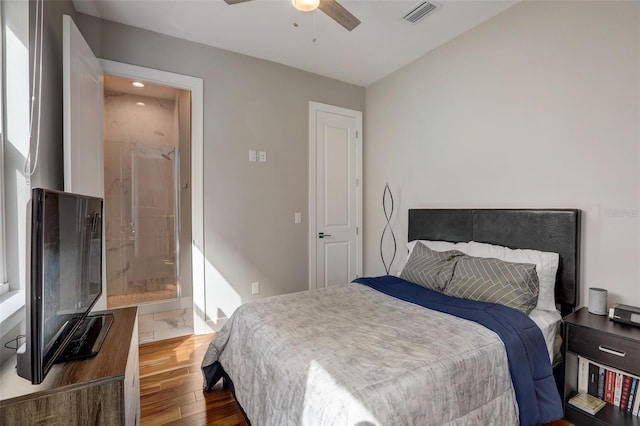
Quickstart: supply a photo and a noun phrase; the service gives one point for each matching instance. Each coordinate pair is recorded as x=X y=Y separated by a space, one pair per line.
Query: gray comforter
x=353 y=356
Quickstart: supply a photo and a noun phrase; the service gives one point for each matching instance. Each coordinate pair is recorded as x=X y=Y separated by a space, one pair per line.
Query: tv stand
x=88 y=339
x=101 y=390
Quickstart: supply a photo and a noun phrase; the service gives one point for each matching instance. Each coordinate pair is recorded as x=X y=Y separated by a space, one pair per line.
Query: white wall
x=538 y=107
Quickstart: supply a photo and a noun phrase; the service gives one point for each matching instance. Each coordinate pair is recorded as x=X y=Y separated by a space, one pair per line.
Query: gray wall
x=249 y=103
x=537 y=107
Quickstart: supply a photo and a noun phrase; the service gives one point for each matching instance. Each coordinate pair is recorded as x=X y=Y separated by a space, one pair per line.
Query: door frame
x=314 y=108
x=196 y=86
x=82 y=154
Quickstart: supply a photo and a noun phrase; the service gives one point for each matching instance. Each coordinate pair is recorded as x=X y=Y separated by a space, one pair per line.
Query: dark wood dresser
x=103 y=390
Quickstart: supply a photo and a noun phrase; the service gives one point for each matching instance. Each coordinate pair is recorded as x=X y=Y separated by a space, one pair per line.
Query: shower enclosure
x=141 y=200
x=142 y=259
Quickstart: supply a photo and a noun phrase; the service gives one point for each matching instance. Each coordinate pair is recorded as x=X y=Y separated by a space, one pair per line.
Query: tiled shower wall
x=140 y=152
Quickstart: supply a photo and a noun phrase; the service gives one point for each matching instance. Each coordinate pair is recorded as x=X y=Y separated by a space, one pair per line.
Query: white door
x=82 y=113
x=83 y=97
x=335 y=246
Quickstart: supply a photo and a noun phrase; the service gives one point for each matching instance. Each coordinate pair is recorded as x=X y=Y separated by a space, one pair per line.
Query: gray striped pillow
x=496 y=281
x=429 y=268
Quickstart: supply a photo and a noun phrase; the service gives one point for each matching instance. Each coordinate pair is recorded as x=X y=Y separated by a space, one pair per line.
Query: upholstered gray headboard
x=551 y=230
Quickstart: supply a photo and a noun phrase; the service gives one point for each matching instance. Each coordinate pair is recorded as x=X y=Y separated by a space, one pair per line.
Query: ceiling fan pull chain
x=296 y=13
x=315 y=38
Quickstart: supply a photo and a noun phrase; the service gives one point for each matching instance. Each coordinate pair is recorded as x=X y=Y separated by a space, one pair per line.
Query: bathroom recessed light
x=138 y=84
x=140 y=103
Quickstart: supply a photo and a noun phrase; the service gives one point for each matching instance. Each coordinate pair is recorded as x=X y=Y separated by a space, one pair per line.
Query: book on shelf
x=632 y=394
x=592 y=383
x=626 y=392
x=601 y=374
x=617 y=389
x=586 y=402
x=610 y=385
x=636 y=403
x=583 y=374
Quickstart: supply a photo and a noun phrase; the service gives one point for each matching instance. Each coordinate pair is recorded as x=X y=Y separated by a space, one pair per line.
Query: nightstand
x=605 y=342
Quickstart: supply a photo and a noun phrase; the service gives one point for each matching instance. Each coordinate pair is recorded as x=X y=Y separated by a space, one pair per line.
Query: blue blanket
x=531 y=374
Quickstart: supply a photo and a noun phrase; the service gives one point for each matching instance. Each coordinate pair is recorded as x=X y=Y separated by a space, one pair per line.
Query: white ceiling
x=124 y=85
x=383 y=43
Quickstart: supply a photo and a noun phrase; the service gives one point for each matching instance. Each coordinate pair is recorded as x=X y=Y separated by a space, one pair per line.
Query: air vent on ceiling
x=420 y=11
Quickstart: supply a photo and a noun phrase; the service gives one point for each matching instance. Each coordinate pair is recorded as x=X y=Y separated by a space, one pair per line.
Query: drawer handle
x=612 y=351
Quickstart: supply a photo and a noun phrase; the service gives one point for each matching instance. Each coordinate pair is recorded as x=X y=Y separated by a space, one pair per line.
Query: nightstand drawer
x=604 y=348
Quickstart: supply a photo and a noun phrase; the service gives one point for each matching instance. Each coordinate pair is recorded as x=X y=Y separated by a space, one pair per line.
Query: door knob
x=322 y=235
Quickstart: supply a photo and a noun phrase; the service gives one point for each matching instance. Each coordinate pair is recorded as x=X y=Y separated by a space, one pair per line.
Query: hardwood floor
x=171 y=387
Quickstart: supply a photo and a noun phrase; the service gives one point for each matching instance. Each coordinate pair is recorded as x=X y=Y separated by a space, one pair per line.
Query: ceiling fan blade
x=339 y=14
x=235 y=1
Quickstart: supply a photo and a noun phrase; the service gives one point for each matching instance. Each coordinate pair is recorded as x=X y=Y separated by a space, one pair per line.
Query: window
x=15 y=145
x=4 y=285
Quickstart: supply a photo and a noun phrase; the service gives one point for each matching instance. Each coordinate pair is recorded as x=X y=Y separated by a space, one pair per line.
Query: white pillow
x=438 y=245
x=546 y=267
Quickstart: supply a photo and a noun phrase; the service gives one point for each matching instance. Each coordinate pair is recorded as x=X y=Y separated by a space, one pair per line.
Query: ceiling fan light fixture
x=305 y=5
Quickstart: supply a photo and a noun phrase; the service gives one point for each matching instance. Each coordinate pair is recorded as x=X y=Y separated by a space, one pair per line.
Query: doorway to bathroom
x=152 y=143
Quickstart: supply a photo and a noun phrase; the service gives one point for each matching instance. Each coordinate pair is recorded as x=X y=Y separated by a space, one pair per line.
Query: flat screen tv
x=65 y=281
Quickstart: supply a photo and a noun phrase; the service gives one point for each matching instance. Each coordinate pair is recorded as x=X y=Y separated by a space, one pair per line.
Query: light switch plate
x=255 y=288
x=297 y=217
x=263 y=156
x=252 y=156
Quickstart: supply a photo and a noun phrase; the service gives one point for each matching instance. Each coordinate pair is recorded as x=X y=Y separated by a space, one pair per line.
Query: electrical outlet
x=255 y=288
x=263 y=156
x=252 y=156
x=297 y=217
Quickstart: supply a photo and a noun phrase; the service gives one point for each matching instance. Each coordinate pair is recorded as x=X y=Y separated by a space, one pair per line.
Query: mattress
x=354 y=355
x=548 y=322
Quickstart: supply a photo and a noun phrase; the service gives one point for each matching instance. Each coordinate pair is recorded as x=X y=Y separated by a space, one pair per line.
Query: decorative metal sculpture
x=387 y=196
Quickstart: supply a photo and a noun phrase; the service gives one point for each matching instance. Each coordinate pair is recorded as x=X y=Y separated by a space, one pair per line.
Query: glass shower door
x=147 y=219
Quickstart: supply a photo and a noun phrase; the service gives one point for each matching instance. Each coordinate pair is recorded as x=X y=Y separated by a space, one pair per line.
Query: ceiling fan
x=332 y=8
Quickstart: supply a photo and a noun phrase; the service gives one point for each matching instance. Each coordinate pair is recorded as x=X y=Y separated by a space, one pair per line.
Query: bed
x=385 y=351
